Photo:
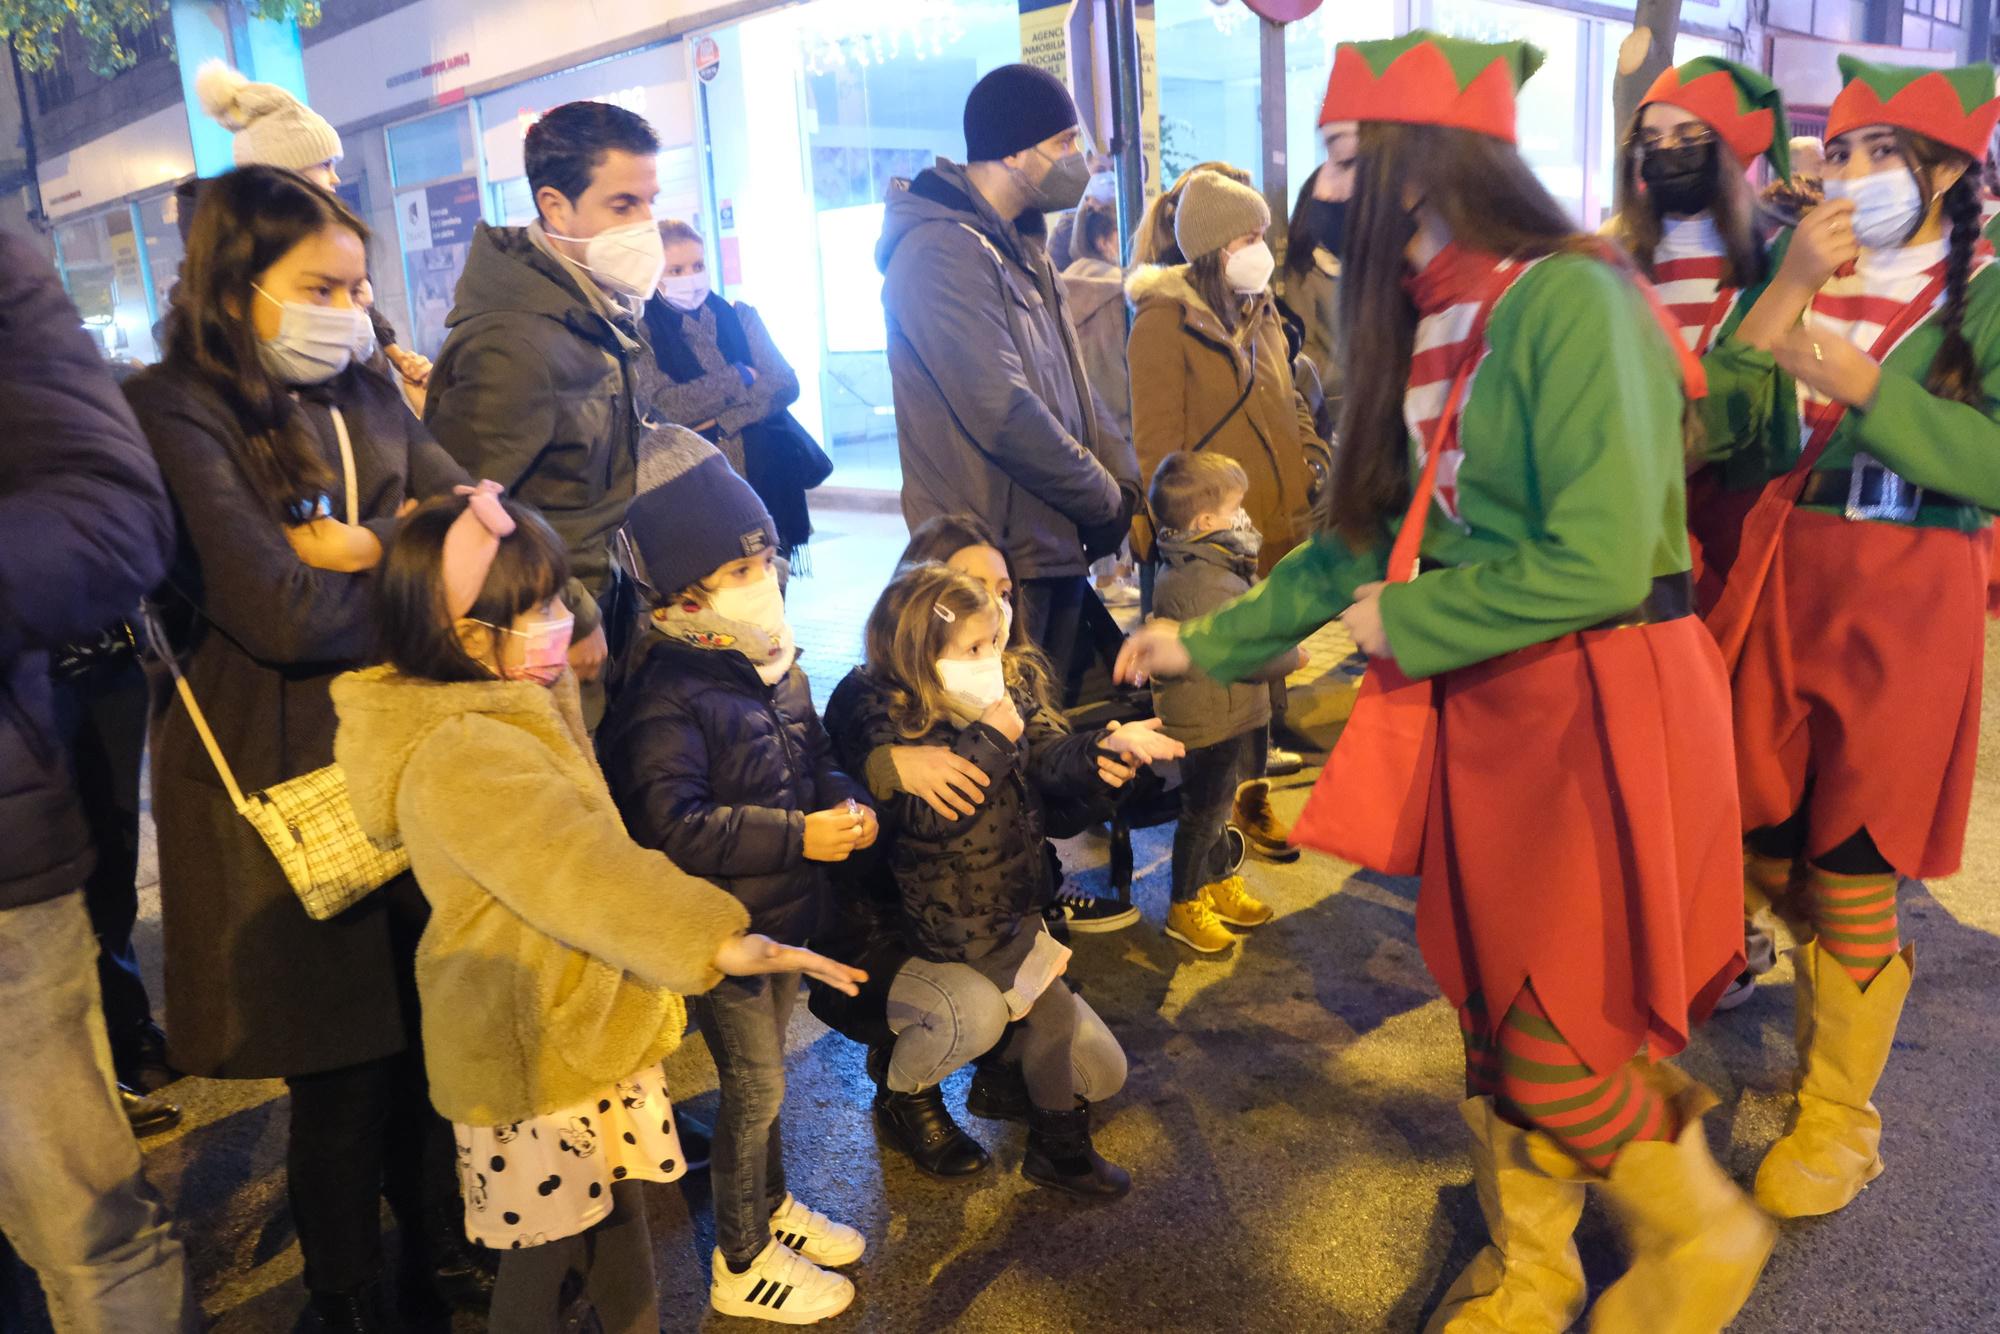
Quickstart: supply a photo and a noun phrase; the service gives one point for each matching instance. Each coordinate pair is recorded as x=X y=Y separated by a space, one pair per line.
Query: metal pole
x=33 y=159
x=1121 y=40
x=1271 y=108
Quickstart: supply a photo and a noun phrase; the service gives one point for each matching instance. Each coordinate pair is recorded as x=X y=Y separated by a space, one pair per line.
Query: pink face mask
x=545 y=654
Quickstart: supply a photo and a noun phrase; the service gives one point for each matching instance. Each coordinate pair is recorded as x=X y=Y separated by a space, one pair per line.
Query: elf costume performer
x=1580 y=872
x=1853 y=615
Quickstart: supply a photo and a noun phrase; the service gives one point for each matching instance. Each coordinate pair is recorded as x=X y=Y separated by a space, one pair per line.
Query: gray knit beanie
x=1214 y=211
x=692 y=514
x=273 y=128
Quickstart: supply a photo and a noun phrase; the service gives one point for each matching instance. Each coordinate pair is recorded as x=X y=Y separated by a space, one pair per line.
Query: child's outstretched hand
x=747 y=955
x=1142 y=743
x=833 y=835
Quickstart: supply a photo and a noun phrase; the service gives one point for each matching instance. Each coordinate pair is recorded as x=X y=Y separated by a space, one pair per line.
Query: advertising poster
x=435 y=224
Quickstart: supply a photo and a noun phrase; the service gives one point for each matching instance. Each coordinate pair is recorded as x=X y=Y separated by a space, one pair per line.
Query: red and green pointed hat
x=1956 y=107
x=1426 y=78
x=1742 y=106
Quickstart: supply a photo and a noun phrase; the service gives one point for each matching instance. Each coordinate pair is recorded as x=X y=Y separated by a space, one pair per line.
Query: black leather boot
x=350 y=1311
x=919 y=1125
x=448 y=1276
x=1060 y=1156
x=998 y=1091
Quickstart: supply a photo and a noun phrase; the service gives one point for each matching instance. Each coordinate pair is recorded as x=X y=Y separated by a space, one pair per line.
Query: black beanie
x=1013 y=108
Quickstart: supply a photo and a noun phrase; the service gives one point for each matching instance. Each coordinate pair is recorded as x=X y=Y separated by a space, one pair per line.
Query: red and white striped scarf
x=1448 y=294
x=1859 y=304
x=1690 y=266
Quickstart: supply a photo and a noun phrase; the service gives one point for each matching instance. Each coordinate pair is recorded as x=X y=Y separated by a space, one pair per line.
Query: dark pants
x=1209 y=778
x=615 y=1259
x=103 y=713
x=743 y=1020
x=364 y=1133
x=1065 y=618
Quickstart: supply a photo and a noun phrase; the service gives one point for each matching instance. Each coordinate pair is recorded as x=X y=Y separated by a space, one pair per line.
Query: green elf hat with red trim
x=1956 y=107
x=1426 y=78
x=1742 y=106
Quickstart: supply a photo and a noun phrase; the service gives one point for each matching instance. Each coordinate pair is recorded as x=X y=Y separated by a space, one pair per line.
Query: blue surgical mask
x=314 y=343
x=1887 y=206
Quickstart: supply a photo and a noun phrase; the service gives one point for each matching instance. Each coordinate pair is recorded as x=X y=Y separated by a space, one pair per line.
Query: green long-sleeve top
x=1946 y=447
x=1570 y=495
x=1745 y=465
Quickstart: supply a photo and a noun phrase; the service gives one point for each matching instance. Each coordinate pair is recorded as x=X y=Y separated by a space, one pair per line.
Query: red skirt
x=1578 y=837
x=1860 y=679
x=1715 y=531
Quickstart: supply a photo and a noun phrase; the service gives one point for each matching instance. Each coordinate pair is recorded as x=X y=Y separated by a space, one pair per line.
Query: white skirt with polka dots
x=550 y=1176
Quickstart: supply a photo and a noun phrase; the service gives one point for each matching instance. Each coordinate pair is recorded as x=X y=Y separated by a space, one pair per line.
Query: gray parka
x=994 y=413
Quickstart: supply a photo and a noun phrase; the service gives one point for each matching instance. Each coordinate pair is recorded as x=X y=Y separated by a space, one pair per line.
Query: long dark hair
x=1954 y=372
x=1489 y=200
x=414 y=629
x=1738 y=215
x=246 y=221
x=1300 y=243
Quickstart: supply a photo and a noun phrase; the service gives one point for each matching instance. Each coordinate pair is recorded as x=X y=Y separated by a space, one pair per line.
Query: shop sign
x=462 y=60
x=707 y=59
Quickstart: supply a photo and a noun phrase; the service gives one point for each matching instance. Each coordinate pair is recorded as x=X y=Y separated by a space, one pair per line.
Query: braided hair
x=1954 y=372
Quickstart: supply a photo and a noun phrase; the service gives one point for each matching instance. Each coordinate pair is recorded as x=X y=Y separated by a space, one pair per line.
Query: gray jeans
x=74 y=1200
x=945 y=1014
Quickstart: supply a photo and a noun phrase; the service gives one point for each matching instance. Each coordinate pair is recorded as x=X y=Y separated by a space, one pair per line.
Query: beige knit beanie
x=1214 y=211
x=273 y=128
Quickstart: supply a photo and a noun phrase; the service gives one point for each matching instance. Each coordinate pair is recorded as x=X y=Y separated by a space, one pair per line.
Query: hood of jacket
x=944 y=193
x=385 y=716
x=1177 y=549
x=506 y=271
x=1092 y=289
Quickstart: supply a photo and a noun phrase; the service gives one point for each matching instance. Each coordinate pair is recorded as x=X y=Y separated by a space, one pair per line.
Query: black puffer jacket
x=966 y=883
x=719 y=771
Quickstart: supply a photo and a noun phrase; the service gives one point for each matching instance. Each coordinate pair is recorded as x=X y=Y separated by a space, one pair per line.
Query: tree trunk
x=1648 y=51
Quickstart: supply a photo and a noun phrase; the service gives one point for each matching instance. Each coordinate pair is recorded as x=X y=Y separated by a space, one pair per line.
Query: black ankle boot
x=1060 y=1156
x=998 y=1092
x=918 y=1124
x=453 y=1277
x=350 y=1311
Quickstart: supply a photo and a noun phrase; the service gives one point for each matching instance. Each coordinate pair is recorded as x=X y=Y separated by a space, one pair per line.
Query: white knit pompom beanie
x=273 y=128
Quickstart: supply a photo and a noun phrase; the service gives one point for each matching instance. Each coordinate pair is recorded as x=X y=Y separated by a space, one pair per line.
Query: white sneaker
x=815 y=1236
x=781 y=1286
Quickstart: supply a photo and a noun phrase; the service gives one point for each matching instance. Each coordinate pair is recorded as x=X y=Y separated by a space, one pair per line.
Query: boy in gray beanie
x=717 y=758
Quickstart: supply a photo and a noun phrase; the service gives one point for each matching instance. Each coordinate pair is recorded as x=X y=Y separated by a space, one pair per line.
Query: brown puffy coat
x=1187 y=372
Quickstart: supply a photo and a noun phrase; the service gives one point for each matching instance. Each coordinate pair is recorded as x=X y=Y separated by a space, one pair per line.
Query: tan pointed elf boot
x=1697 y=1242
x=1528 y=1279
x=1845 y=1031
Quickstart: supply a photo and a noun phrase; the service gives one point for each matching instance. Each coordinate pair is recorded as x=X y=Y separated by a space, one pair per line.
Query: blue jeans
x=946 y=1014
x=74 y=1199
x=743 y=1020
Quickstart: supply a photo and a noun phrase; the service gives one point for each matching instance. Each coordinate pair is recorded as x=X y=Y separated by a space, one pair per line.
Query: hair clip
x=944 y=613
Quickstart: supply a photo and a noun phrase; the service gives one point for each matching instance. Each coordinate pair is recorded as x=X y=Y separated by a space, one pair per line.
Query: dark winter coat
x=255 y=988
x=1188 y=375
x=85 y=530
x=534 y=388
x=1196 y=578
x=994 y=414
x=719 y=771
x=967 y=883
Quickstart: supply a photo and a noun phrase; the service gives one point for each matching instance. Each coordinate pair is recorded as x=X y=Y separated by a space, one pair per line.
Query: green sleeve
x=1314 y=583
x=1600 y=403
x=1937 y=443
x=1751 y=409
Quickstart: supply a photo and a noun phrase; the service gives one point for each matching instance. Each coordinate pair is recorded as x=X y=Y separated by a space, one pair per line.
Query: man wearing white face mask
x=994 y=410
x=535 y=386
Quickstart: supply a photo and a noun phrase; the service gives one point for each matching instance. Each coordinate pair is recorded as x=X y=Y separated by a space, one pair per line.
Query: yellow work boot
x=1831 y=1150
x=1233 y=903
x=1195 y=925
x=1528 y=1279
x=1697 y=1242
x=1267 y=835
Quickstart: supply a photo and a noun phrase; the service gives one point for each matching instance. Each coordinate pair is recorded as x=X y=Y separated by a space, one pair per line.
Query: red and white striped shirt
x=1443 y=341
x=1690 y=266
x=1858 y=305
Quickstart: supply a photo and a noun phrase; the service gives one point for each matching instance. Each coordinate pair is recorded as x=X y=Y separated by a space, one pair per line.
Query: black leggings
x=615 y=1259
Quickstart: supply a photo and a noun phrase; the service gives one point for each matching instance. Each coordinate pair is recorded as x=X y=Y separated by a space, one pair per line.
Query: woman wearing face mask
x=1579 y=898
x=1869 y=370
x=288 y=464
x=721 y=375
x=1691 y=222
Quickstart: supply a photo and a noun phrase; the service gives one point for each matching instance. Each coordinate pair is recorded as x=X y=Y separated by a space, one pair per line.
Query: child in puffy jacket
x=556 y=945
x=938 y=673
x=718 y=759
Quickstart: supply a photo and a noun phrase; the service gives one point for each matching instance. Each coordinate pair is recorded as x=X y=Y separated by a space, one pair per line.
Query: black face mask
x=1326 y=223
x=1681 y=179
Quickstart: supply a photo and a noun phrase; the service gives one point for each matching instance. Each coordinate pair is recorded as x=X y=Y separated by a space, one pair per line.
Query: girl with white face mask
x=1866 y=377
x=715 y=370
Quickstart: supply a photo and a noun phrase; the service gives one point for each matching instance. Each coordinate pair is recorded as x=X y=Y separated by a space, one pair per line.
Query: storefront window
x=102 y=268
x=1554 y=105
x=163 y=250
x=810 y=113
x=433 y=165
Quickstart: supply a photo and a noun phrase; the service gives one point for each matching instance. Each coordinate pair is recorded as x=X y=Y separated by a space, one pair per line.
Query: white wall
x=147 y=153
